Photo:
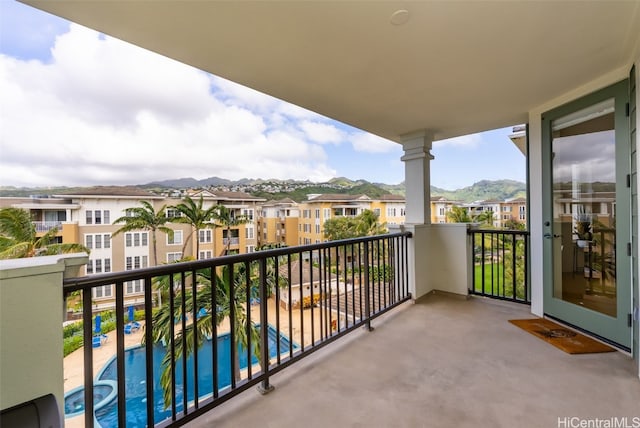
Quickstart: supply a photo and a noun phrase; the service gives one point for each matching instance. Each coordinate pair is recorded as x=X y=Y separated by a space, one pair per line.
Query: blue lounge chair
x=99 y=338
x=132 y=326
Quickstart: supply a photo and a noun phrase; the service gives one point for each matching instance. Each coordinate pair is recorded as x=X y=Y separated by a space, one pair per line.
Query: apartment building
x=278 y=223
x=88 y=218
x=440 y=206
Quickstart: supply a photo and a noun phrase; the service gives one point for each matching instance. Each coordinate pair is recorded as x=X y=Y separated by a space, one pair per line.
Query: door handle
x=549 y=236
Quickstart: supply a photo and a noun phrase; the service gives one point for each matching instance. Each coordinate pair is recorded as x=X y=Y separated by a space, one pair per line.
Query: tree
x=193 y=213
x=364 y=224
x=340 y=228
x=485 y=218
x=458 y=215
x=226 y=283
x=145 y=218
x=367 y=224
x=18 y=237
x=225 y=218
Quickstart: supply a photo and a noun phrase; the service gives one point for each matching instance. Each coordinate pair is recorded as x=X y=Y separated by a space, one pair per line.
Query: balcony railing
x=499 y=264
x=249 y=316
x=45 y=226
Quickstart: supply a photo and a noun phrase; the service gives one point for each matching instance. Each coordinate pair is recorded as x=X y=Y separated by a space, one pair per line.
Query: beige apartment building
x=278 y=223
x=319 y=208
x=88 y=218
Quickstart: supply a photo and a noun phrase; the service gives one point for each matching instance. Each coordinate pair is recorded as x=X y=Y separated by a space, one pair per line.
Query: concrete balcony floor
x=441 y=362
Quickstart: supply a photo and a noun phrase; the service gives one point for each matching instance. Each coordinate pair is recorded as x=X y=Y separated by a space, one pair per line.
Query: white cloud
x=322 y=133
x=363 y=142
x=105 y=112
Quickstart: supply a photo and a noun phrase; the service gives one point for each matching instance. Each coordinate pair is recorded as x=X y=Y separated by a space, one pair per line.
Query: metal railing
x=499 y=264
x=45 y=226
x=244 y=318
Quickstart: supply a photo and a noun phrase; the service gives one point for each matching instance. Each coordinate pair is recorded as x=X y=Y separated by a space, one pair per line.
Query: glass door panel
x=586 y=160
x=584 y=201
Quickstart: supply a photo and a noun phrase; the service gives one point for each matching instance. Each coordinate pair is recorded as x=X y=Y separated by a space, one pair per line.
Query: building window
x=88 y=241
x=326 y=213
x=249 y=232
x=98 y=217
x=376 y=211
x=136 y=239
x=89 y=214
x=205 y=236
x=250 y=248
x=440 y=211
x=391 y=212
x=205 y=255
x=248 y=214
x=106 y=216
x=98 y=266
x=102 y=292
x=176 y=239
x=173 y=257
x=522 y=213
x=172 y=212
x=106 y=240
x=317 y=228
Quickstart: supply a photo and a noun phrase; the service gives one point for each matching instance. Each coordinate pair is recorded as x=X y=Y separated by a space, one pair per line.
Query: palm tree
x=367 y=224
x=225 y=218
x=226 y=283
x=485 y=218
x=145 y=218
x=458 y=215
x=194 y=214
x=18 y=237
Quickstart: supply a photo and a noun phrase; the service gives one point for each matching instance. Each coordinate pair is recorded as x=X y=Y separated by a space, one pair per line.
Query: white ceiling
x=454 y=68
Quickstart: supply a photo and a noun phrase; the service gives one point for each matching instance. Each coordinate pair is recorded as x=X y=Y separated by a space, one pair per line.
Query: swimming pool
x=135 y=383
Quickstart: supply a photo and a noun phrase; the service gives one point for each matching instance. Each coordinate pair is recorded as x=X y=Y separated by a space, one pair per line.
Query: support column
x=417 y=157
x=417 y=176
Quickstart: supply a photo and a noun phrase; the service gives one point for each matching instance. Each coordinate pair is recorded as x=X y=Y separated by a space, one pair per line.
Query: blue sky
x=80 y=108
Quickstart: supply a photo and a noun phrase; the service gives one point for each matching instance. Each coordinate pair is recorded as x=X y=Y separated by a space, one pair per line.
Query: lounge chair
x=99 y=338
x=132 y=326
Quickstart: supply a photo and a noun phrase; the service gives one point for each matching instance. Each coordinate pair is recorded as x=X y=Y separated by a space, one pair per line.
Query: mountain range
x=298 y=190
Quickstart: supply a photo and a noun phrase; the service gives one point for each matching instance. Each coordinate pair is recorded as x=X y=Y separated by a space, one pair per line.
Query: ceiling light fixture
x=400 y=17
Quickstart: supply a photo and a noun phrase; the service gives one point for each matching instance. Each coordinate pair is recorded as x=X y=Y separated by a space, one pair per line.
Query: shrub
x=72 y=343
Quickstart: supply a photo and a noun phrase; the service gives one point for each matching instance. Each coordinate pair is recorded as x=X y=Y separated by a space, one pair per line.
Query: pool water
x=135 y=383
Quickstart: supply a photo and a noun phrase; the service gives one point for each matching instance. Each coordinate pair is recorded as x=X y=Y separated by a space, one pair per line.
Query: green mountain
x=298 y=190
x=483 y=190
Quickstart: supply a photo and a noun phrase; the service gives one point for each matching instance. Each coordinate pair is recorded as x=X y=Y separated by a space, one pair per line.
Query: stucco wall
x=31 y=327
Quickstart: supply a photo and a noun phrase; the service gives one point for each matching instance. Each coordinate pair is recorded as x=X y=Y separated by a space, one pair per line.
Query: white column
x=417 y=182
x=417 y=179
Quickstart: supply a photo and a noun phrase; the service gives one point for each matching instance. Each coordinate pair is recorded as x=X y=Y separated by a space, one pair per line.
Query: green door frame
x=615 y=330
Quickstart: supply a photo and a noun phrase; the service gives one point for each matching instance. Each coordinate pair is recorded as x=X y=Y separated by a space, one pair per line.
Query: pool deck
x=74 y=362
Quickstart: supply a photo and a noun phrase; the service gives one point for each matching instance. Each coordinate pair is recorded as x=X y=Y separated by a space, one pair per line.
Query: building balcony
x=230 y=241
x=446 y=359
x=45 y=226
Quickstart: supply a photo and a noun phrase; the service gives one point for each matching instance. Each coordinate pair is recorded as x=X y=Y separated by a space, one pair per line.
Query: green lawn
x=497 y=280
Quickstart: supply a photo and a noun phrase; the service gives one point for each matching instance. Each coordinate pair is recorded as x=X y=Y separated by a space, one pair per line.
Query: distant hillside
x=483 y=190
x=298 y=190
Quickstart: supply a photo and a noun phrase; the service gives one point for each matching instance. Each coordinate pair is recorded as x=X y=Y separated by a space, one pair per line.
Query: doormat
x=561 y=337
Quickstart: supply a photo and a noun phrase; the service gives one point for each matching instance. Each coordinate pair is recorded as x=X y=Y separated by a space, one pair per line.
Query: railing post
x=264 y=387
x=367 y=294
